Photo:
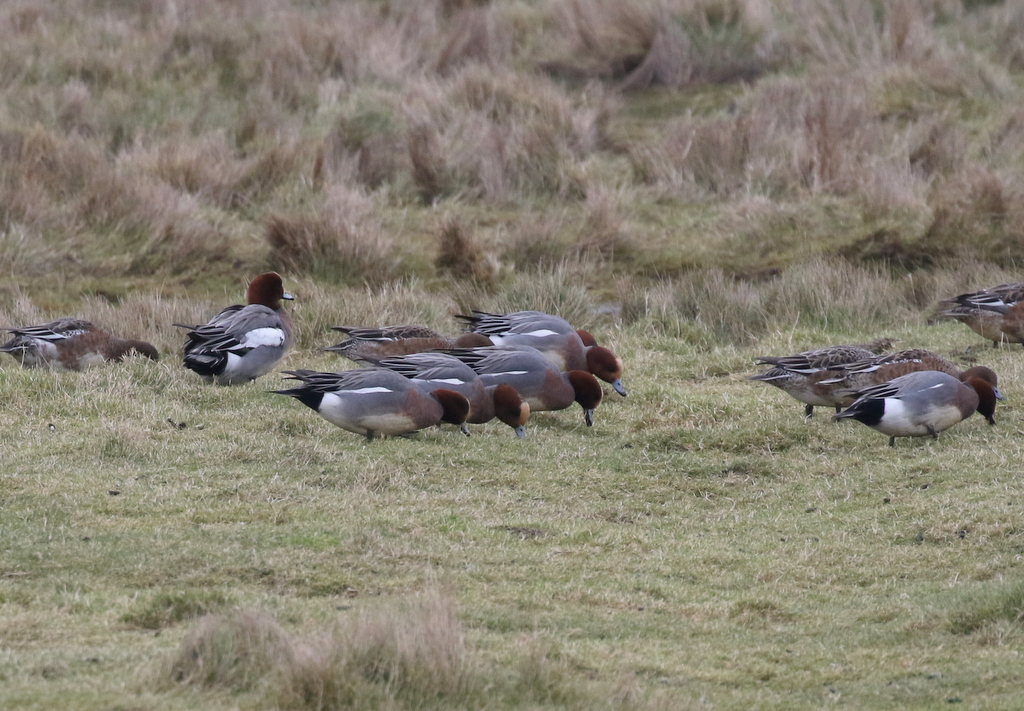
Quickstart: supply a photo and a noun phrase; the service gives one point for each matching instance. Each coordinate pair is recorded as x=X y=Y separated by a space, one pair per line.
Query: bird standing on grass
x=996 y=313
x=486 y=402
x=922 y=403
x=375 y=402
x=801 y=375
x=553 y=336
x=542 y=385
x=242 y=342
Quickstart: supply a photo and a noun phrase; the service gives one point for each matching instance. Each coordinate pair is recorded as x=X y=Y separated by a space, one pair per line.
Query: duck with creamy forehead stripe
x=71 y=344
x=242 y=342
x=377 y=402
x=486 y=402
x=922 y=403
x=554 y=337
x=534 y=377
x=372 y=344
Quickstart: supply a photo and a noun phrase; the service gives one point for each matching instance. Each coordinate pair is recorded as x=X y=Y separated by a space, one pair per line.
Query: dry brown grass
x=158 y=139
x=407 y=652
x=669 y=44
x=344 y=242
x=460 y=254
x=499 y=135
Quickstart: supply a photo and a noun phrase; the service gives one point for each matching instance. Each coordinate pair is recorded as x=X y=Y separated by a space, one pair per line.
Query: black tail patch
x=206 y=364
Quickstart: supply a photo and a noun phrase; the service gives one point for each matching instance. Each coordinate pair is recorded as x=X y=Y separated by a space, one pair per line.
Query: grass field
x=697 y=182
x=700 y=546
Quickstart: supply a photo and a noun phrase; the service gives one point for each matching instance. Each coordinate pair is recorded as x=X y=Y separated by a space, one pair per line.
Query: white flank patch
x=896 y=420
x=367 y=391
x=542 y=333
x=263 y=337
x=511 y=372
x=447 y=381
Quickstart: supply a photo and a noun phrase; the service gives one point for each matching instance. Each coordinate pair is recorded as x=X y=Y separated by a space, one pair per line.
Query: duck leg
x=892 y=441
x=809 y=411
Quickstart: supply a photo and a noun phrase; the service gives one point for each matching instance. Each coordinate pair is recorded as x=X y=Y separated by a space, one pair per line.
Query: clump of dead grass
x=988 y=607
x=168 y=608
x=460 y=254
x=710 y=308
x=344 y=242
x=407 y=653
x=499 y=135
x=638 y=45
x=236 y=652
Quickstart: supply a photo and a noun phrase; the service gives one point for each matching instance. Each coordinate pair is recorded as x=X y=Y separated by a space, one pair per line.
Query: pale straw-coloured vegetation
x=698 y=182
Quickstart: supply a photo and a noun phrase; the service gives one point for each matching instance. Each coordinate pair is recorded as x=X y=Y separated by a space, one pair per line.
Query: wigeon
x=996 y=313
x=372 y=344
x=71 y=344
x=242 y=342
x=554 y=337
x=441 y=370
x=922 y=403
x=537 y=380
x=875 y=370
x=375 y=402
x=987 y=324
x=1004 y=294
x=801 y=375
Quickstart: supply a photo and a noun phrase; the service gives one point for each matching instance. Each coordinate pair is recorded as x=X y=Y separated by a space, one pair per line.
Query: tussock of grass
x=168 y=608
x=711 y=307
x=236 y=652
x=344 y=242
x=408 y=654
x=460 y=254
x=988 y=605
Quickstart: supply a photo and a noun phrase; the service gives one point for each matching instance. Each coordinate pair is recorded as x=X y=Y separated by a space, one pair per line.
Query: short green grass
x=702 y=546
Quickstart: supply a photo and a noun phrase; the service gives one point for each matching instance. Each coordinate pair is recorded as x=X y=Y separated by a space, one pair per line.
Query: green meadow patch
x=702 y=543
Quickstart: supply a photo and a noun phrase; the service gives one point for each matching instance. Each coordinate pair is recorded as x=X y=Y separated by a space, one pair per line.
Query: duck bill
x=464 y=429
x=588 y=415
x=619 y=387
x=287 y=297
x=520 y=432
x=999 y=395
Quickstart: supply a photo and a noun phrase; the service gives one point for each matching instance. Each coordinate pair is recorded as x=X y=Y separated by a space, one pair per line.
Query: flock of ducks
x=910 y=393
x=505 y=366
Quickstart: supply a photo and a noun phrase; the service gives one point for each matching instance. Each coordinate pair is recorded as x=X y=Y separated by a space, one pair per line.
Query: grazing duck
x=801 y=375
x=375 y=402
x=372 y=344
x=554 y=337
x=1002 y=295
x=987 y=324
x=71 y=344
x=922 y=403
x=996 y=313
x=242 y=342
x=875 y=370
x=441 y=370
x=542 y=385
